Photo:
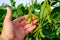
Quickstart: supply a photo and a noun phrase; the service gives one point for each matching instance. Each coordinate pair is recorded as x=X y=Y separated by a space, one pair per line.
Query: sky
x=17 y=2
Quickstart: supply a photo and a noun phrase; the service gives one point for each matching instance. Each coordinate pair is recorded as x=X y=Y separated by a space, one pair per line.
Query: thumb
x=9 y=14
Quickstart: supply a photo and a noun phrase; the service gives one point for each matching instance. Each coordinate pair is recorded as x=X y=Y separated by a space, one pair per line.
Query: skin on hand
x=18 y=28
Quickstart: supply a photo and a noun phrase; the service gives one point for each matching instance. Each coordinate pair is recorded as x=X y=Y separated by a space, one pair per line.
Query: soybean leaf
x=12 y=3
x=55 y=14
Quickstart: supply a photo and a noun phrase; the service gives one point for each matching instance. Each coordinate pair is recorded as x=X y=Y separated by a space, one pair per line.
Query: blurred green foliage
x=48 y=26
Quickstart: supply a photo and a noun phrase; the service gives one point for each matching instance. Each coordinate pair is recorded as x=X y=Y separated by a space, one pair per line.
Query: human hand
x=18 y=28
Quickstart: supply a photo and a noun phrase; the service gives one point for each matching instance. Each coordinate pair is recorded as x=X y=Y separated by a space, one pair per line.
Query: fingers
x=24 y=22
x=30 y=29
x=27 y=26
x=9 y=14
x=33 y=18
x=20 y=18
x=34 y=22
x=32 y=26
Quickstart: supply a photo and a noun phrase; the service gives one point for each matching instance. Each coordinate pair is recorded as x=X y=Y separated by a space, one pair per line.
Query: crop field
x=47 y=13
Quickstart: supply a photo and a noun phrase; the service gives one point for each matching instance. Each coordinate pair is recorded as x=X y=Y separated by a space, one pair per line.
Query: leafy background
x=50 y=29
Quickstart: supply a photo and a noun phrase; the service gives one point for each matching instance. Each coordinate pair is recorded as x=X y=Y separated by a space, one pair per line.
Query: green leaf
x=12 y=3
x=55 y=14
x=58 y=31
x=36 y=5
x=20 y=10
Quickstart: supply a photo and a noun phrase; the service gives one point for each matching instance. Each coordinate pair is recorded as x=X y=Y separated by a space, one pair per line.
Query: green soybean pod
x=42 y=35
x=42 y=9
x=37 y=38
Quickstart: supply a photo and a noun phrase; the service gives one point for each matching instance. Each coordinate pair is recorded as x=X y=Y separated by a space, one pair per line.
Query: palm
x=19 y=28
x=22 y=28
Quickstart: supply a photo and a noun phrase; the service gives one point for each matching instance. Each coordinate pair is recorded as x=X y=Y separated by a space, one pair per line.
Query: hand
x=18 y=28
